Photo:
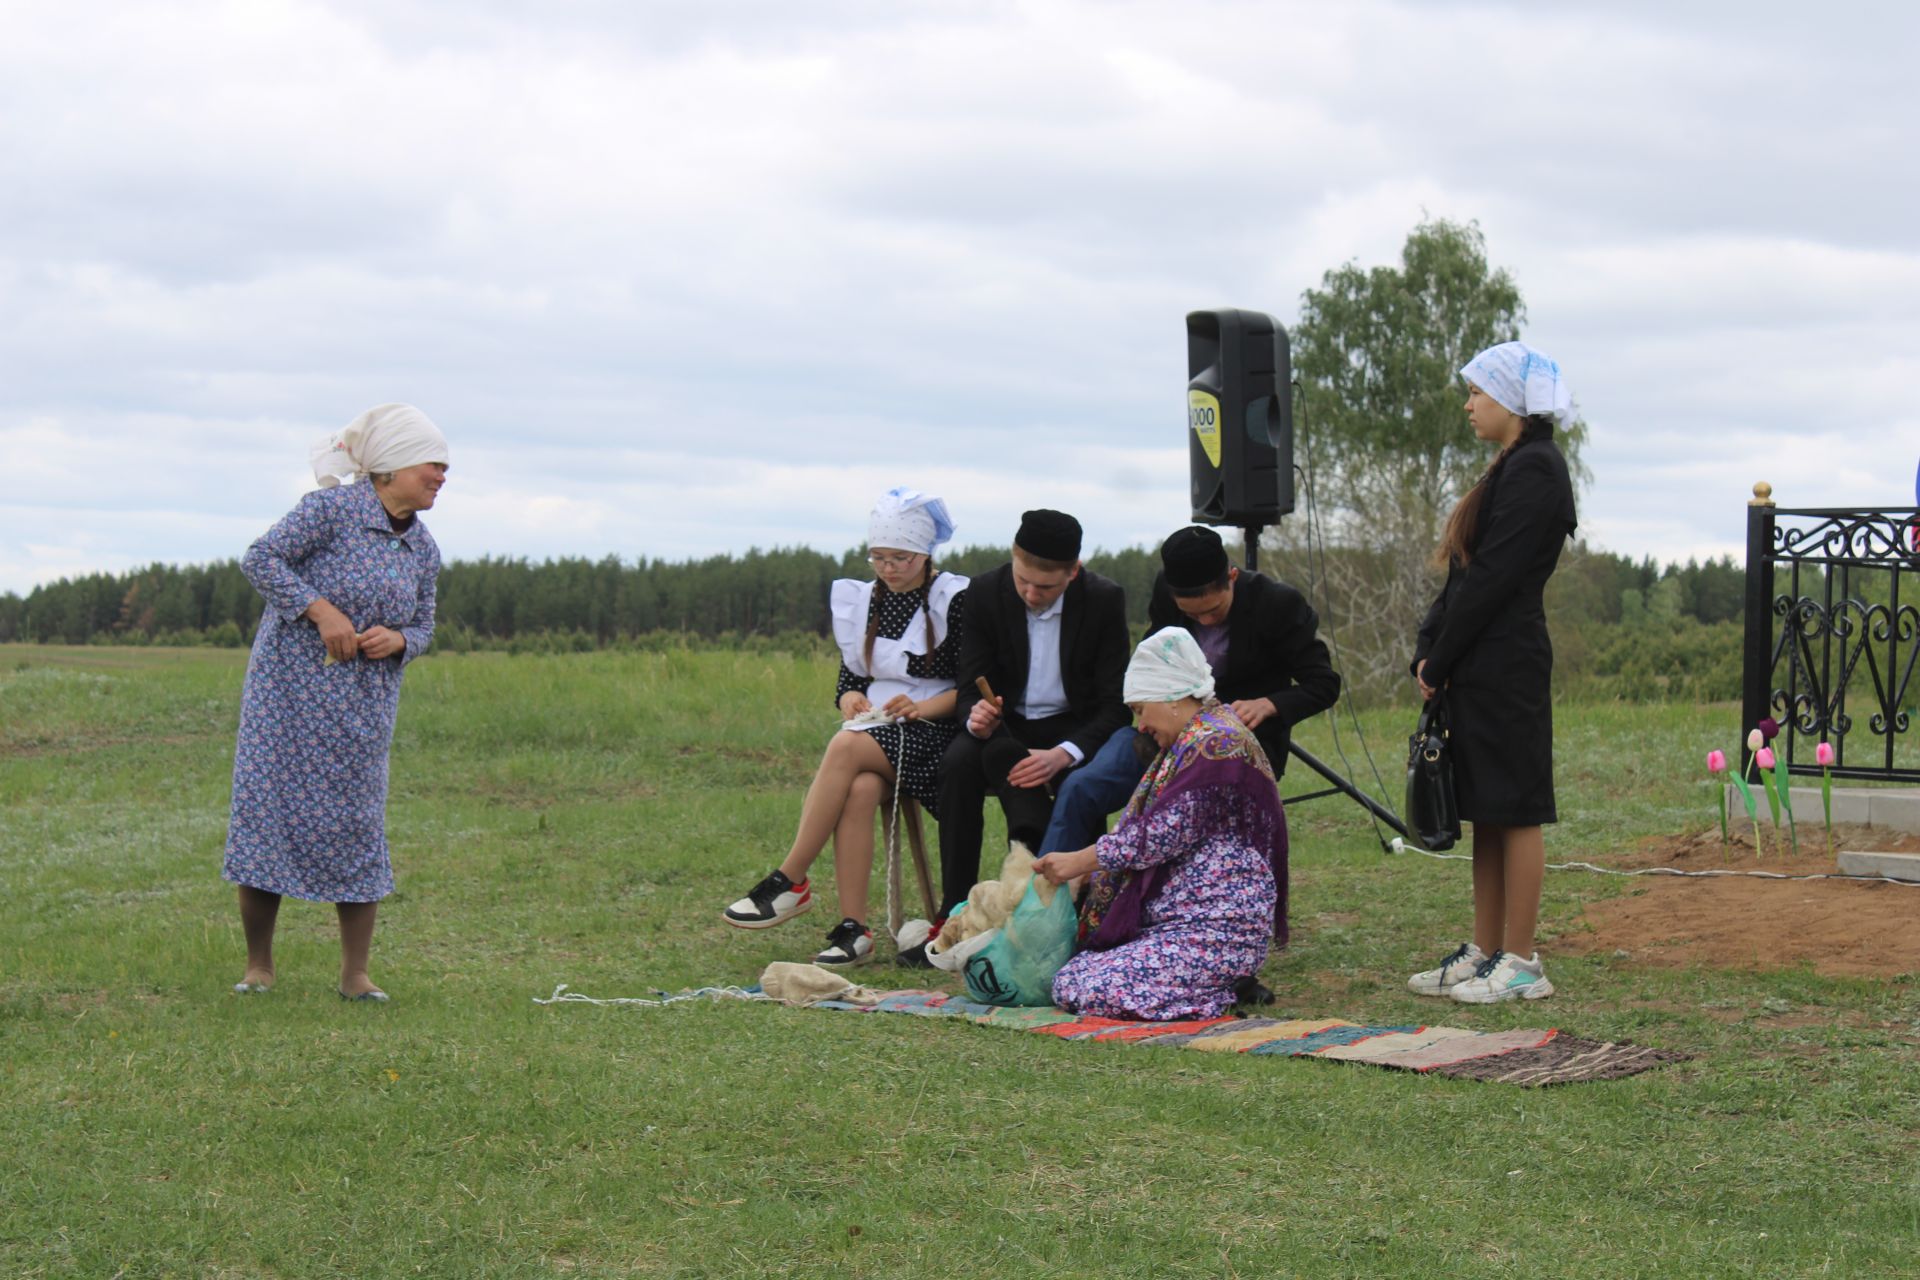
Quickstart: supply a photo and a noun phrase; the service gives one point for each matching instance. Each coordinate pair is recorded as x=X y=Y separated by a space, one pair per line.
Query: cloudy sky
x=680 y=278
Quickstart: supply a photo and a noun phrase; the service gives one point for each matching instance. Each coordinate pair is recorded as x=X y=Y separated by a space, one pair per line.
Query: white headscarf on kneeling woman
x=1167 y=667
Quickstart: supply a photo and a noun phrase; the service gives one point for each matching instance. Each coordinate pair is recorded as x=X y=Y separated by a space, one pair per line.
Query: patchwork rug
x=1524 y=1057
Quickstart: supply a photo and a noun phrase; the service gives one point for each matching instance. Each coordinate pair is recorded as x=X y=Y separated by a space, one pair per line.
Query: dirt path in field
x=1840 y=927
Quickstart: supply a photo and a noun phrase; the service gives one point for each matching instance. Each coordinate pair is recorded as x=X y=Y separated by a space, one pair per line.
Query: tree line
x=780 y=596
x=495 y=600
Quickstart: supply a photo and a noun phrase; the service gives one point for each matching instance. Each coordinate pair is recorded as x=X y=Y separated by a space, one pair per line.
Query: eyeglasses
x=893 y=562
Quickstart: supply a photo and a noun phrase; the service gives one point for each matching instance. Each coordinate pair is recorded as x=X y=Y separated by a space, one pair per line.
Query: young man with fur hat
x=1051 y=641
x=1261 y=638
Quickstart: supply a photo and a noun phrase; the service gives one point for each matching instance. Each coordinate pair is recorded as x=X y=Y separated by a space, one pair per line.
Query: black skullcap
x=1050 y=535
x=1193 y=558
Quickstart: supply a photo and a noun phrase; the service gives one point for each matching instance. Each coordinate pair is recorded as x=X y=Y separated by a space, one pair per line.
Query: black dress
x=914 y=748
x=1485 y=640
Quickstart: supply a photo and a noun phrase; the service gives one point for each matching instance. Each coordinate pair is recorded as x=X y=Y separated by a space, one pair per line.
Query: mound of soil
x=1839 y=927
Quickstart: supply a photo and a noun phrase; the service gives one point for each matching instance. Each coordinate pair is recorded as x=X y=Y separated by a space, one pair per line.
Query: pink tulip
x=1764 y=757
x=1717 y=761
x=1756 y=740
x=1823 y=755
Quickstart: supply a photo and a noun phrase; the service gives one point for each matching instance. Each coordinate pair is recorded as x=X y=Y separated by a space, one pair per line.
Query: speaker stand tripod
x=1340 y=786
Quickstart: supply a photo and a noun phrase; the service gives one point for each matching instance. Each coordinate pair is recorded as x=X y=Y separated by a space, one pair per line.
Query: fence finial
x=1762 y=495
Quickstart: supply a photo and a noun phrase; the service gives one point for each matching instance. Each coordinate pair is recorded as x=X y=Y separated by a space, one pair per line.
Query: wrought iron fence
x=1833 y=634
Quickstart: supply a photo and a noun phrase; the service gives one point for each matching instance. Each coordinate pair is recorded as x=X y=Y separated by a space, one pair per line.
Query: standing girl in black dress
x=899 y=639
x=1484 y=643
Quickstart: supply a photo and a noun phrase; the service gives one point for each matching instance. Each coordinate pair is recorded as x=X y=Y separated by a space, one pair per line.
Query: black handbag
x=1433 y=813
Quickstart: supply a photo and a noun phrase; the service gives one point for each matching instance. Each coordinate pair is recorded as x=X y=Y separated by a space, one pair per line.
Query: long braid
x=926 y=608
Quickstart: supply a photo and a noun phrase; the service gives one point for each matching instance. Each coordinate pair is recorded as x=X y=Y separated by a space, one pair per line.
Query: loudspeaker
x=1239 y=418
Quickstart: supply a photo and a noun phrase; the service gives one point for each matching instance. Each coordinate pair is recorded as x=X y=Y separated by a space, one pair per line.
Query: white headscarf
x=386 y=437
x=1521 y=380
x=1167 y=667
x=909 y=520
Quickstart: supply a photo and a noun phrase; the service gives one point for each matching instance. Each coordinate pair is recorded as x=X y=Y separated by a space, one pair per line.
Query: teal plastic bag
x=1017 y=966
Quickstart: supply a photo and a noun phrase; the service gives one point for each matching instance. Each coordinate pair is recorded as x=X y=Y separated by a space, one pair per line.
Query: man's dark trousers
x=972 y=768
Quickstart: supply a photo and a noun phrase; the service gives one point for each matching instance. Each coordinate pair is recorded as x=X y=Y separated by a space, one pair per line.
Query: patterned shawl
x=1214 y=750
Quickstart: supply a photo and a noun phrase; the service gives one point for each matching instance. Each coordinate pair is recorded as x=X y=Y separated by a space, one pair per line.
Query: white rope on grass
x=1398 y=845
x=563 y=996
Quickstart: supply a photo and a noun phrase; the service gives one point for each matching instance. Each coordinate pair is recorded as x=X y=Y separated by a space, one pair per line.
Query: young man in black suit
x=1261 y=638
x=1051 y=641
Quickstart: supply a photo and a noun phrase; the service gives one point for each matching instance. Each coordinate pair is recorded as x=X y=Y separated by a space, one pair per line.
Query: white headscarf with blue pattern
x=909 y=520
x=1521 y=380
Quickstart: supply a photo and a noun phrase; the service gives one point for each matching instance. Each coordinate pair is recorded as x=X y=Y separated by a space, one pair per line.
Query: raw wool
x=805 y=984
x=992 y=901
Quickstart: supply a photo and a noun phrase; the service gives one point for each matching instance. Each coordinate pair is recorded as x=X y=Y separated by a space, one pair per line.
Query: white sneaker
x=1455 y=969
x=775 y=900
x=1504 y=977
x=850 y=943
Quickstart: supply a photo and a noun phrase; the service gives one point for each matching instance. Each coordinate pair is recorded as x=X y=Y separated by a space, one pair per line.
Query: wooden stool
x=908 y=812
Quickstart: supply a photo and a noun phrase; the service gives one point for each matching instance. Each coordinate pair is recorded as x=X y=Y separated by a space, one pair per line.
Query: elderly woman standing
x=899 y=638
x=1190 y=888
x=1485 y=642
x=348 y=577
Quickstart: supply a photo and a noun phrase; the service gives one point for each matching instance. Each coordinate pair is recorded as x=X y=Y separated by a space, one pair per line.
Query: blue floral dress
x=310 y=766
x=1210 y=853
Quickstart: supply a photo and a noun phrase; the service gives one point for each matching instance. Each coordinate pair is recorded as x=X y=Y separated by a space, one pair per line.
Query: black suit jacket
x=1489 y=623
x=1274 y=650
x=1093 y=651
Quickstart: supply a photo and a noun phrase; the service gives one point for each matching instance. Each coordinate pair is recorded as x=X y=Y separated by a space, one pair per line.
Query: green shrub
x=1654 y=660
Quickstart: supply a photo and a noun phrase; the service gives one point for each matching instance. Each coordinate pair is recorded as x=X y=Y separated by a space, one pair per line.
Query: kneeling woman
x=1191 y=887
x=899 y=638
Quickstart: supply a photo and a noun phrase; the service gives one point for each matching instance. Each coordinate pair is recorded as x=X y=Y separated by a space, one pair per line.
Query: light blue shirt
x=1046 y=693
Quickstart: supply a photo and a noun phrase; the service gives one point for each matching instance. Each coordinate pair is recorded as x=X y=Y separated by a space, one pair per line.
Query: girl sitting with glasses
x=899 y=639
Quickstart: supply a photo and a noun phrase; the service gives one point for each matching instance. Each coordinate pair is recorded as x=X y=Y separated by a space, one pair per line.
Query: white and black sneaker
x=773 y=901
x=850 y=943
x=1459 y=965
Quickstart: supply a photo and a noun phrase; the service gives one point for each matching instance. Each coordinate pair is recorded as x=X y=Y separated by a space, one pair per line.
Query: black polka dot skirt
x=914 y=750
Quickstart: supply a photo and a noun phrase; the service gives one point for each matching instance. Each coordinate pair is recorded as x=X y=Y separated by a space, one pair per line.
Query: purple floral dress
x=310 y=766
x=1216 y=862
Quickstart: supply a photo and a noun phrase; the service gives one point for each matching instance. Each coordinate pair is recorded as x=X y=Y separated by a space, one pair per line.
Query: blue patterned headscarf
x=909 y=520
x=1521 y=380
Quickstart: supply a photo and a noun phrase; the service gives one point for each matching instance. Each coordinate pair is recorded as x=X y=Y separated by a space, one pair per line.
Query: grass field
x=582 y=819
